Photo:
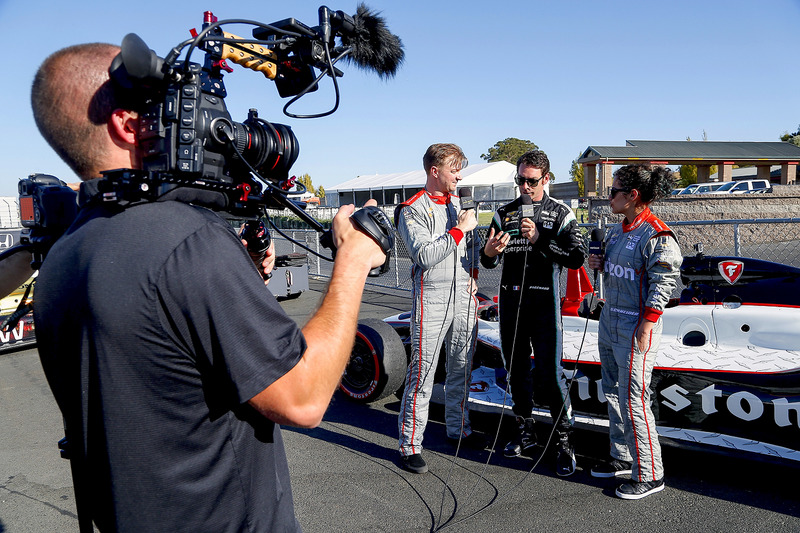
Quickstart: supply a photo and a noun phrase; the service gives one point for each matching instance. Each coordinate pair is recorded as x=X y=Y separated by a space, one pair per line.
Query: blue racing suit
x=642 y=265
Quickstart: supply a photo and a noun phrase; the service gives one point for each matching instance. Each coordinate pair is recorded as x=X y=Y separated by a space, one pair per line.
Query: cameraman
x=170 y=360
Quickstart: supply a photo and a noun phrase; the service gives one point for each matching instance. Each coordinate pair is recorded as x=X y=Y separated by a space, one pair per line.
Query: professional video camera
x=47 y=207
x=194 y=152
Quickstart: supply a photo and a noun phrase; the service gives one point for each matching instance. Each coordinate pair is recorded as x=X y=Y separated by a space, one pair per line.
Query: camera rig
x=194 y=152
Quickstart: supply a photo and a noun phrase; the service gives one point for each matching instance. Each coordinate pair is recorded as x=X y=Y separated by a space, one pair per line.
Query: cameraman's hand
x=467 y=221
x=529 y=230
x=358 y=247
x=268 y=263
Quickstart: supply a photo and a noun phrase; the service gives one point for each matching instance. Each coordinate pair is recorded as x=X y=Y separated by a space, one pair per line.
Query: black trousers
x=532 y=325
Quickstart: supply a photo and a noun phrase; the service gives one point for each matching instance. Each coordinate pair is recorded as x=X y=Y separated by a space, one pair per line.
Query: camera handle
x=370 y=220
x=373 y=222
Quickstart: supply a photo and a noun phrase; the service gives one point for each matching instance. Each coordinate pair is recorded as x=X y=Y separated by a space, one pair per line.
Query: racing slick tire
x=377 y=366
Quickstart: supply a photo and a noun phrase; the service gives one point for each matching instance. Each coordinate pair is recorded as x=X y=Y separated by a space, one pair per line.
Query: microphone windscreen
x=374 y=46
x=527 y=207
x=465 y=197
x=596 y=243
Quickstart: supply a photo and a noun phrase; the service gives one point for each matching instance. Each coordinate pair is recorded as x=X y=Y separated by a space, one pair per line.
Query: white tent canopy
x=488 y=181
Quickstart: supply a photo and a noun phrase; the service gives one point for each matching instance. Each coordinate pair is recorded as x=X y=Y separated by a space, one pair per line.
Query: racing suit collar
x=439 y=199
x=638 y=221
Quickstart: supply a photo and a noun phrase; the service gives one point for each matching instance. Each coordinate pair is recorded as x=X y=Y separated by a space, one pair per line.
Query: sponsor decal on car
x=731 y=271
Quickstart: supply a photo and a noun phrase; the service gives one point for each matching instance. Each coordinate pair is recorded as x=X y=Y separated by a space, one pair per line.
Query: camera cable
x=470 y=345
x=570 y=381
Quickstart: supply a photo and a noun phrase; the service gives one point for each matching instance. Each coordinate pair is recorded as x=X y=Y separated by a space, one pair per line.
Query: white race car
x=727 y=374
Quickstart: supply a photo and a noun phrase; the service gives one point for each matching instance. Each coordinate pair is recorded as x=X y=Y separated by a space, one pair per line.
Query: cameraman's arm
x=301 y=396
x=15 y=269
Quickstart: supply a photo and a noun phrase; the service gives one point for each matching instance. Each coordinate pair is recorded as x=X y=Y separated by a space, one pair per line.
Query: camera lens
x=270 y=148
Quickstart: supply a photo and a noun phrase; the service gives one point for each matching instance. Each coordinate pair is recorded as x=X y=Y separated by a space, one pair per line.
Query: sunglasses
x=532 y=182
x=613 y=191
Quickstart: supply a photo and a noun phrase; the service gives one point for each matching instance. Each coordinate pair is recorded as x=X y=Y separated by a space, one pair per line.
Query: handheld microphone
x=513 y=221
x=465 y=199
x=374 y=47
x=527 y=210
x=597 y=245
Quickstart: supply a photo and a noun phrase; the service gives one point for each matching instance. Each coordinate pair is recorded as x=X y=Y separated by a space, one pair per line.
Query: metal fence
x=775 y=240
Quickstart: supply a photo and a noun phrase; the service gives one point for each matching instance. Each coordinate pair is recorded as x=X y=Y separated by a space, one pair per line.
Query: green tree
x=793 y=138
x=576 y=173
x=305 y=180
x=321 y=192
x=688 y=175
x=508 y=149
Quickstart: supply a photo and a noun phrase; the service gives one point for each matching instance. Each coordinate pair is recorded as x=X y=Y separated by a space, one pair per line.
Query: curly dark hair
x=536 y=159
x=652 y=182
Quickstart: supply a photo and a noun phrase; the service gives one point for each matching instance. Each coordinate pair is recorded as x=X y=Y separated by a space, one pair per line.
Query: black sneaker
x=565 y=456
x=474 y=440
x=636 y=490
x=612 y=468
x=524 y=441
x=414 y=463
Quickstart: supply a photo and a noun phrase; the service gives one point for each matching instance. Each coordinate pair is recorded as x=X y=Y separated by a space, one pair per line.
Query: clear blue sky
x=564 y=75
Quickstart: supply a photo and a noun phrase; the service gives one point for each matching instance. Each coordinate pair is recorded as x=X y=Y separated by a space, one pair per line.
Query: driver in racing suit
x=535 y=245
x=445 y=254
x=640 y=265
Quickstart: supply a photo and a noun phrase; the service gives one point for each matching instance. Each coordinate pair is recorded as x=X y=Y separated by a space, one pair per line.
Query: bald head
x=73 y=100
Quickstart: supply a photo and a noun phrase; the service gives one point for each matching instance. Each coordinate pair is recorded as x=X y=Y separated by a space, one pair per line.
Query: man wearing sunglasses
x=535 y=239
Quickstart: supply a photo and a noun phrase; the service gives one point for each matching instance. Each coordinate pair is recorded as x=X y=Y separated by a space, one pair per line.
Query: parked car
x=708 y=187
x=689 y=189
x=744 y=187
x=701 y=188
x=677 y=191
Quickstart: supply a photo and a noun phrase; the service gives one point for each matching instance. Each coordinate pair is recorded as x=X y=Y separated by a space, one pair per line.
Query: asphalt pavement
x=345 y=476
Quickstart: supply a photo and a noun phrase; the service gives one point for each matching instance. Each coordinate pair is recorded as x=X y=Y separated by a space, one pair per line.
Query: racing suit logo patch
x=632 y=240
x=731 y=270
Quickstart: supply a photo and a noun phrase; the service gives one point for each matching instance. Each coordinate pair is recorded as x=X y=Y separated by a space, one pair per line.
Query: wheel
x=377 y=364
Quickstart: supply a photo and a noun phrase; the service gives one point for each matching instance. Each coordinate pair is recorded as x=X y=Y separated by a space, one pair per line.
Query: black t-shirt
x=154 y=330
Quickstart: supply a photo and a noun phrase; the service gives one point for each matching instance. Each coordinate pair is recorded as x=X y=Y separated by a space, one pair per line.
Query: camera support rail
x=243 y=200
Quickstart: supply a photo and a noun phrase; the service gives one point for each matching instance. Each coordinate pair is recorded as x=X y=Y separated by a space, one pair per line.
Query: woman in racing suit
x=640 y=265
